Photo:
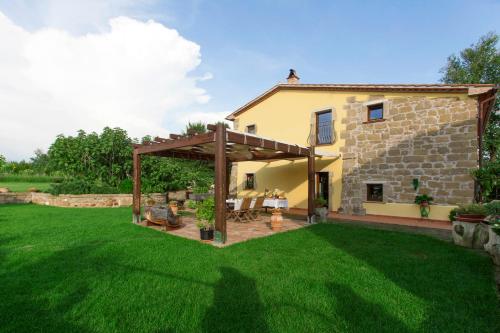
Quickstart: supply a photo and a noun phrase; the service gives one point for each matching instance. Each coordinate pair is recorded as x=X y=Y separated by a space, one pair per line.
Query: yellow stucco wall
x=286 y=116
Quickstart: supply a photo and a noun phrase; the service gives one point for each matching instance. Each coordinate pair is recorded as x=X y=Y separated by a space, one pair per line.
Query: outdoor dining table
x=268 y=203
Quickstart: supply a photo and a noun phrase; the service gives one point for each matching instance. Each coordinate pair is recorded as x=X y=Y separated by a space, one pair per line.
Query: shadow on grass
x=237 y=306
x=443 y=276
x=349 y=305
x=37 y=296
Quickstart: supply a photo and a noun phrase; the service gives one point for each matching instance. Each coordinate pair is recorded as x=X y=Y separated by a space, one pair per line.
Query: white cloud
x=135 y=76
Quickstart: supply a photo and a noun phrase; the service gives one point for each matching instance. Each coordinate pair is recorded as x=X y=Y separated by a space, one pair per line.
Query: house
x=386 y=144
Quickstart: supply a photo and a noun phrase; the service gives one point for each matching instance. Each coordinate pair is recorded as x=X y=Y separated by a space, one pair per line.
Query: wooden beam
x=136 y=198
x=188 y=155
x=310 y=185
x=175 y=136
x=220 y=184
x=254 y=141
x=212 y=127
x=162 y=140
x=184 y=142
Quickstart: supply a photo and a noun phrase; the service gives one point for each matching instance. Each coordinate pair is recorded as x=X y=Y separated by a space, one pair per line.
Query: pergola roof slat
x=178 y=143
x=239 y=147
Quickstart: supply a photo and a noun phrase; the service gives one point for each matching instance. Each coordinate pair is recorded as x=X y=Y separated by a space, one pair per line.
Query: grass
x=89 y=270
x=24 y=186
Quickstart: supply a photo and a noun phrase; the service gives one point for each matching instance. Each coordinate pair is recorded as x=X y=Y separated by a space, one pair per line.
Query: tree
x=480 y=63
x=3 y=162
x=40 y=162
x=195 y=128
x=91 y=160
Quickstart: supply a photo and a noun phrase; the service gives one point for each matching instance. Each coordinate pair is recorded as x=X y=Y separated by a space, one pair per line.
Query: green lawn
x=91 y=270
x=24 y=186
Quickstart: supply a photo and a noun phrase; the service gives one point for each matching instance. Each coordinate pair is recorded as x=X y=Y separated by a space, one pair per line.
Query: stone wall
x=73 y=200
x=7 y=198
x=431 y=139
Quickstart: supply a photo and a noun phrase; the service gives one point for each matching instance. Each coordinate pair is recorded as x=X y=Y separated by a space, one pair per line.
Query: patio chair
x=243 y=213
x=257 y=208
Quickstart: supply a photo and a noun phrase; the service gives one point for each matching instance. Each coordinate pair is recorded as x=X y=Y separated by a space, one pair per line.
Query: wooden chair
x=257 y=208
x=243 y=213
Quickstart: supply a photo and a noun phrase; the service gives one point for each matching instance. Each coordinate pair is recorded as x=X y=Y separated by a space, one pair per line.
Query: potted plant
x=320 y=208
x=424 y=201
x=173 y=206
x=205 y=216
x=276 y=220
x=473 y=213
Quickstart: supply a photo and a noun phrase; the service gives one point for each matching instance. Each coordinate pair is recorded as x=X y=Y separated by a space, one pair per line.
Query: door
x=322 y=186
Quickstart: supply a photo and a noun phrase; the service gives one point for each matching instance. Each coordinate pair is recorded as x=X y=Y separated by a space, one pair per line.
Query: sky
x=150 y=66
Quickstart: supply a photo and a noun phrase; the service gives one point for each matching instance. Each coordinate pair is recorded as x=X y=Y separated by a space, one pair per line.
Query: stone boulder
x=493 y=246
x=472 y=235
x=4 y=190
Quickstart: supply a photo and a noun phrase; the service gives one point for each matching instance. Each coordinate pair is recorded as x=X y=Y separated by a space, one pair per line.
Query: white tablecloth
x=272 y=203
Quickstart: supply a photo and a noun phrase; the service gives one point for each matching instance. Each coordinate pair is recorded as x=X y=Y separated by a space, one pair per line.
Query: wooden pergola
x=222 y=146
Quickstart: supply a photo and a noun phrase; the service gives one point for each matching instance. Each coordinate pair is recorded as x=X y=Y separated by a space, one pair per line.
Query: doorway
x=322 y=186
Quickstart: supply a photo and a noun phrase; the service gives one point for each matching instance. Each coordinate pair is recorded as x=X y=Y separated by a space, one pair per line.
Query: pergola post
x=310 y=185
x=220 y=183
x=136 y=198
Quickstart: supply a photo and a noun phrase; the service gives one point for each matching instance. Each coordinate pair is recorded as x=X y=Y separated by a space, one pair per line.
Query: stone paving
x=236 y=231
x=295 y=219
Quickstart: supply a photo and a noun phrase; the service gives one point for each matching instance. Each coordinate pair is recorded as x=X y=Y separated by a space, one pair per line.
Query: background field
x=24 y=186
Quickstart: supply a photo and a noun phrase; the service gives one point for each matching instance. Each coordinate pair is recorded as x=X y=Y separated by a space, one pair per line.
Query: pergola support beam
x=220 y=184
x=136 y=198
x=310 y=185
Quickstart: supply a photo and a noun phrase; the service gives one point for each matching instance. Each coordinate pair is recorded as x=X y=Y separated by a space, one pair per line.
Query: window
x=374 y=192
x=324 y=127
x=250 y=181
x=376 y=112
x=251 y=129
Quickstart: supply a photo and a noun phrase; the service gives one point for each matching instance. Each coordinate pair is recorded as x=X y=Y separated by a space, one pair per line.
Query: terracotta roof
x=471 y=89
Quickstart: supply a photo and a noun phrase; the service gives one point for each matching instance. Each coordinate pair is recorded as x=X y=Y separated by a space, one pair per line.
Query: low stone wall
x=7 y=198
x=74 y=200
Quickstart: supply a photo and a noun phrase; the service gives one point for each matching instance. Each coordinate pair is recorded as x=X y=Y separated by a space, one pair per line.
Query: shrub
x=319 y=202
x=453 y=214
x=81 y=186
x=126 y=186
x=191 y=204
x=476 y=209
x=205 y=214
x=493 y=208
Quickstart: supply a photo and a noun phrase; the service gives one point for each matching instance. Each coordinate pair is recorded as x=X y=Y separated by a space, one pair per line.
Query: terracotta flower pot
x=471 y=218
x=276 y=220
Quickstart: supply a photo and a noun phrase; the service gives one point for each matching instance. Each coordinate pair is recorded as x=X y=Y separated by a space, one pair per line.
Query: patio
x=224 y=146
x=236 y=231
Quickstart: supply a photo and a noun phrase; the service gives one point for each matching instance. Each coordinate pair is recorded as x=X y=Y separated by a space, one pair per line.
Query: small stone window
x=251 y=129
x=375 y=192
x=376 y=112
x=249 y=181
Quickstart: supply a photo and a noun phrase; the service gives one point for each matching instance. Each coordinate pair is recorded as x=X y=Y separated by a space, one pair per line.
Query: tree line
x=102 y=163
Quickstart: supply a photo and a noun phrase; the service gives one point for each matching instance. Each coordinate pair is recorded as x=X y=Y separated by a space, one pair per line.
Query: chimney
x=292 y=77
